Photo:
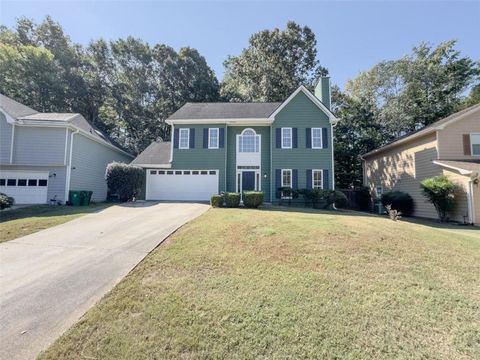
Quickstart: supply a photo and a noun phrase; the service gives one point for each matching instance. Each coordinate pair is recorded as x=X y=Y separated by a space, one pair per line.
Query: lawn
x=24 y=221
x=248 y=284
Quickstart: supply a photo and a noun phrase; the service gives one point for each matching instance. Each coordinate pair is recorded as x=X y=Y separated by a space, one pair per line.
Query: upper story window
x=249 y=142
x=317 y=179
x=184 y=138
x=286 y=138
x=317 y=138
x=213 y=138
x=475 y=143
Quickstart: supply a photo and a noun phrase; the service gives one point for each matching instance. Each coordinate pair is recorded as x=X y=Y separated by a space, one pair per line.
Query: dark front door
x=248 y=180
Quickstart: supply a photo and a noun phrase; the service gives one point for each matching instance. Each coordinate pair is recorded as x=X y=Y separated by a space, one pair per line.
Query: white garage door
x=198 y=185
x=26 y=187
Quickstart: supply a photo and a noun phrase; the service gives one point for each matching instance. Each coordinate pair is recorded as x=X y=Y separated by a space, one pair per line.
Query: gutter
x=69 y=167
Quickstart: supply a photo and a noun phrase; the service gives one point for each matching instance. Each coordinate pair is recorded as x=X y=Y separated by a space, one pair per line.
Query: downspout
x=69 y=167
x=11 y=143
x=172 y=137
x=471 y=202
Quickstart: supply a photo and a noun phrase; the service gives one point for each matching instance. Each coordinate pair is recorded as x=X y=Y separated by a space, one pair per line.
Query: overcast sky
x=351 y=36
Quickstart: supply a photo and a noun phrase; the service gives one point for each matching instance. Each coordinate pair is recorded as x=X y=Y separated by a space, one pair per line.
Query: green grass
x=249 y=284
x=28 y=220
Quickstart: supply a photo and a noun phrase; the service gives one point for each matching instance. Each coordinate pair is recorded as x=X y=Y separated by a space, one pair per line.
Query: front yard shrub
x=287 y=194
x=6 y=201
x=216 y=201
x=124 y=181
x=399 y=201
x=340 y=199
x=252 y=199
x=440 y=191
x=232 y=200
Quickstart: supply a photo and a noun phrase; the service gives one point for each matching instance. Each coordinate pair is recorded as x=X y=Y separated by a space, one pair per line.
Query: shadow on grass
x=433 y=224
x=48 y=211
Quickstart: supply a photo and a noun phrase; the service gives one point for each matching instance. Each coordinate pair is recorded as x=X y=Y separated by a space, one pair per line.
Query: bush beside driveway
x=239 y=283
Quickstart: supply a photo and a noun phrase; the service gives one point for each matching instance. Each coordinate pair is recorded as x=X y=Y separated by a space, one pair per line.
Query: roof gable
x=312 y=98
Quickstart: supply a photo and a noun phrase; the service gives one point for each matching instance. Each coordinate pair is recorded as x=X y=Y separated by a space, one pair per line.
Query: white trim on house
x=284 y=129
x=154 y=166
x=455 y=119
x=471 y=143
x=312 y=97
x=180 y=131
x=209 y=138
x=460 y=170
x=69 y=167
x=321 y=137
x=172 y=140
x=11 y=143
x=282 y=184
x=313 y=178
x=232 y=122
x=333 y=159
x=10 y=119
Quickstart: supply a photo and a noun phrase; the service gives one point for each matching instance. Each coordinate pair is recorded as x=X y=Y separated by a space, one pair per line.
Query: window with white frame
x=317 y=138
x=184 y=138
x=475 y=144
x=248 y=142
x=213 y=138
x=286 y=182
x=317 y=179
x=286 y=138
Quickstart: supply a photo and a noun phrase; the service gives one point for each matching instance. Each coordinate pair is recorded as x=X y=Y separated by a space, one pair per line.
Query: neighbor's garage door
x=26 y=187
x=181 y=184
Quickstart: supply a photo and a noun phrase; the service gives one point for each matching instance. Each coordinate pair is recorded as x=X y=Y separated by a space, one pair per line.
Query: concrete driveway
x=49 y=279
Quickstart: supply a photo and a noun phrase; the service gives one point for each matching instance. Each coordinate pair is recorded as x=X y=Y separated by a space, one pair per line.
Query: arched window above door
x=248 y=141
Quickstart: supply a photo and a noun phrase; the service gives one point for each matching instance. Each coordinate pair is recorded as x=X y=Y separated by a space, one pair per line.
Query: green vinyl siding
x=301 y=113
x=232 y=132
x=199 y=158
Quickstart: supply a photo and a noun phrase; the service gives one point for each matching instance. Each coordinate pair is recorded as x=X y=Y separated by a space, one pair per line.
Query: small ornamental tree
x=124 y=180
x=6 y=201
x=440 y=191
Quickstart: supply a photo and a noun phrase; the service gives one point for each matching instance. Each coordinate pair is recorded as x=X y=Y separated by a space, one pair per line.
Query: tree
x=273 y=65
x=124 y=87
x=440 y=191
x=357 y=133
x=417 y=89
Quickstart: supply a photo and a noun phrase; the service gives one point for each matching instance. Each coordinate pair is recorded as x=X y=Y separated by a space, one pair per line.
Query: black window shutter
x=278 y=137
x=325 y=138
x=221 y=140
x=308 y=138
x=205 y=138
x=309 y=178
x=192 y=138
x=326 y=179
x=175 y=138
x=294 y=138
x=278 y=182
x=295 y=179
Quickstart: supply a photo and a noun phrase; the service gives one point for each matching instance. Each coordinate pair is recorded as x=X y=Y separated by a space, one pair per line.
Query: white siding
x=39 y=146
x=89 y=162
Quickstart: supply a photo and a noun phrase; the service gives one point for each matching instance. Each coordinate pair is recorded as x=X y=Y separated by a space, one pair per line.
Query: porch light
x=265 y=175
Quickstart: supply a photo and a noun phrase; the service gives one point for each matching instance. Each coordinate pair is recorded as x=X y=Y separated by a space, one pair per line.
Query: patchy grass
x=28 y=220
x=247 y=284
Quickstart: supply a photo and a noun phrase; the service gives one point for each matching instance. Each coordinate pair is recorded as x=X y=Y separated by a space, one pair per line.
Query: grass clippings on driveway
x=248 y=284
x=27 y=220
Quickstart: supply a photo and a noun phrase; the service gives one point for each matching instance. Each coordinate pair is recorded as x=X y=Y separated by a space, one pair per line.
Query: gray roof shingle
x=203 y=111
x=14 y=108
x=157 y=153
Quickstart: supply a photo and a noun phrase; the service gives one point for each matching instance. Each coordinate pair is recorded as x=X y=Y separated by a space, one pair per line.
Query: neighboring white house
x=44 y=155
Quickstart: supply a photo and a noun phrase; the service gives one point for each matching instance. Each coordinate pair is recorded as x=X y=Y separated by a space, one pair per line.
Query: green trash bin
x=75 y=198
x=85 y=197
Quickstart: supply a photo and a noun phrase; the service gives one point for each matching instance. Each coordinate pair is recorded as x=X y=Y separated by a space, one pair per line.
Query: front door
x=248 y=180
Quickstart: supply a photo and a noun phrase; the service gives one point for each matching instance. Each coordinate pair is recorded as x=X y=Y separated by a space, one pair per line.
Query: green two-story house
x=237 y=147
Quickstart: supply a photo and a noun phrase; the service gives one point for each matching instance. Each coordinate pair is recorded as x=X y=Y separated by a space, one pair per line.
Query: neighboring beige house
x=450 y=147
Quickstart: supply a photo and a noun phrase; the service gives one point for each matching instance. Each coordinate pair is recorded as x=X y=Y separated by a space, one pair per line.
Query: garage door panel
x=184 y=186
x=26 y=187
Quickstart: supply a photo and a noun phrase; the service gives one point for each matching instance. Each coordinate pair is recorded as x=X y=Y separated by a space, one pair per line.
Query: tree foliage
x=417 y=89
x=125 y=87
x=440 y=191
x=274 y=64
